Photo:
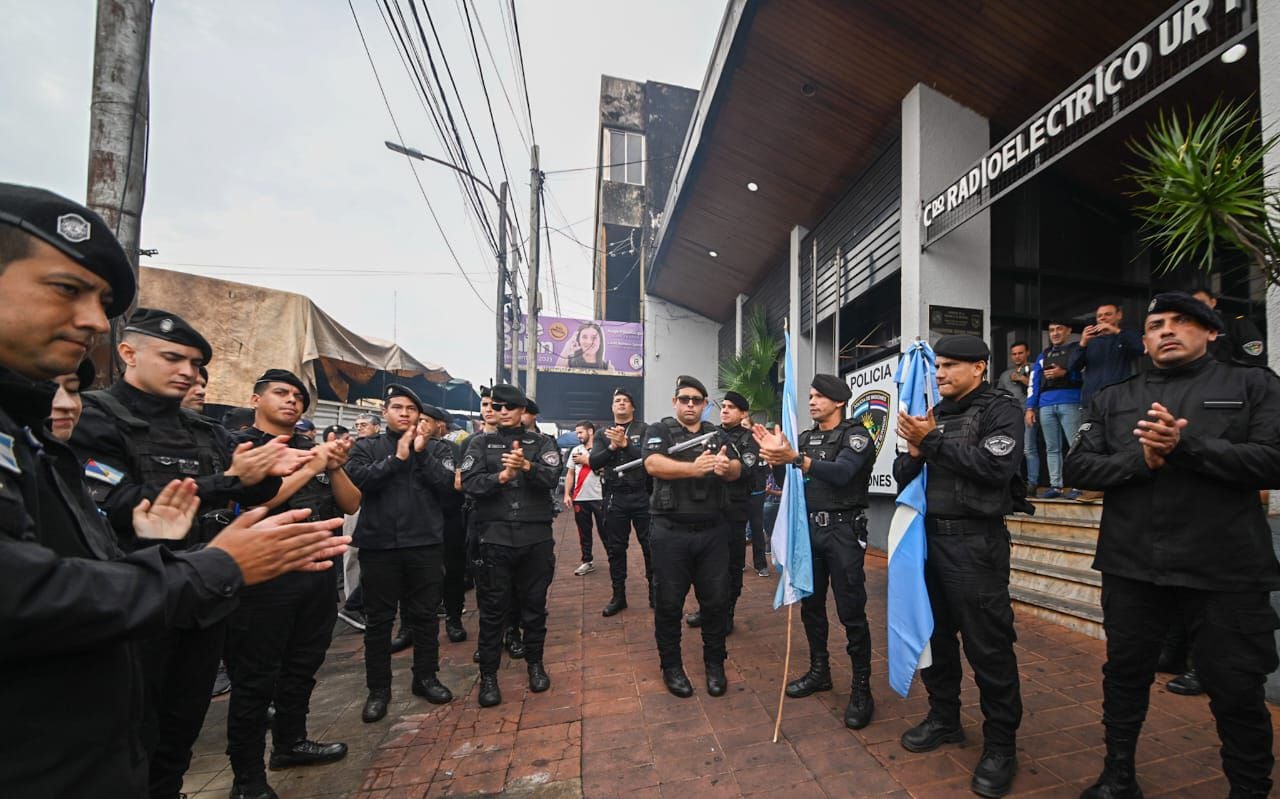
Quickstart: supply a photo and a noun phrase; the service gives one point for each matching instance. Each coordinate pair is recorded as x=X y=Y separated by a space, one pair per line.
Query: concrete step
x=1052 y=556
x=1083 y=546
x=1083 y=617
x=1083 y=531
x=1067 y=509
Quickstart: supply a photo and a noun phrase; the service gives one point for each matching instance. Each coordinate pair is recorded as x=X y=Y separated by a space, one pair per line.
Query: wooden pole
x=786 y=665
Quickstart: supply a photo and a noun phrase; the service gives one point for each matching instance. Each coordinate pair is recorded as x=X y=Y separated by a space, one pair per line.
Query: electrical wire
x=524 y=80
x=551 y=261
x=606 y=166
x=484 y=37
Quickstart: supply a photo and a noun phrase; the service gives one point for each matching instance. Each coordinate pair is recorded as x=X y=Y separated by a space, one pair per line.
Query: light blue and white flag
x=790 y=544
x=910 y=618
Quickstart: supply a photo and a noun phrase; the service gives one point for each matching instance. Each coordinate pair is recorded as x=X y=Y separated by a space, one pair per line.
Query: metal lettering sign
x=1174 y=45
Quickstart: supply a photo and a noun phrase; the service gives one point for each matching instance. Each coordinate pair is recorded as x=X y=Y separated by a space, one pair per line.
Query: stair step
x=1068 y=508
x=1079 y=545
x=1071 y=607
x=1054 y=528
x=1059 y=558
x=1057 y=571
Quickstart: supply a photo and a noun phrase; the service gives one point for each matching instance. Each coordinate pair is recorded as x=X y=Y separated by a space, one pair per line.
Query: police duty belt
x=705 y=438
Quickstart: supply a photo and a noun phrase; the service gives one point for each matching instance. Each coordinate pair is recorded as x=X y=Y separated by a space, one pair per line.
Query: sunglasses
x=686 y=399
x=502 y=406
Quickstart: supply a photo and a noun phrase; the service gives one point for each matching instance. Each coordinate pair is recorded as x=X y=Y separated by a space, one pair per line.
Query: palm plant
x=1205 y=182
x=752 y=372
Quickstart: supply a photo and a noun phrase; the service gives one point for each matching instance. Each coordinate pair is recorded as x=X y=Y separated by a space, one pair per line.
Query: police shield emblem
x=871 y=410
x=1253 y=348
x=999 y=445
x=551 y=458
x=74 y=228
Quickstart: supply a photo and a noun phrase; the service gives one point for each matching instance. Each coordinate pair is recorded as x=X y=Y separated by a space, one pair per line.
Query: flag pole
x=786 y=664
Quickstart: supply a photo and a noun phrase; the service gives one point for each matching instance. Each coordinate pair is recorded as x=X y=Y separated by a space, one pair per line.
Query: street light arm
x=421 y=156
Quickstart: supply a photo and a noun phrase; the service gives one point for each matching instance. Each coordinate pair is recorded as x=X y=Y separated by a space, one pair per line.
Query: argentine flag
x=910 y=618
x=790 y=539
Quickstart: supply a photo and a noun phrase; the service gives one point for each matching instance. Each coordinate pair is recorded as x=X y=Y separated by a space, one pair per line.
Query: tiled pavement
x=608 y=728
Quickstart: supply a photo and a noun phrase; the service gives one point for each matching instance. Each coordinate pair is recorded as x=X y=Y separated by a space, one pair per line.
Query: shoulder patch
x=999 y=445
x=857 y=443
x=102 y=472
x=447 y=461
x=551 y=457
x=468 y=462
x=1253 y=348
x=8 y=460
x=748 y=459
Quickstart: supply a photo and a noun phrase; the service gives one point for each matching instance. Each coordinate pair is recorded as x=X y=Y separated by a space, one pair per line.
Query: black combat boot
x=617 y=603
x=694 y=619
x=515 y=644
x=932 y=733
x=454 y=629
x=817 y=678
x=1119 y=779
x=994 y=775
x=489 y=693
x=717 y=682
x=539 y=680
x=861 y=704
x=375 y=707
x=1186 y=683
x=677 y=681
x=432 y=690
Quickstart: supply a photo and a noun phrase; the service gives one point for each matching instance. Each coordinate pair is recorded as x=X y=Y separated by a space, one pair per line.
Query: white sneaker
x=586 y=568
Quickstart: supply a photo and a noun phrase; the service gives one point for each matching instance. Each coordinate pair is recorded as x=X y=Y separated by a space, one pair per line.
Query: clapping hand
x=705 y=463
x=273 y=459
x=913 y=429
x=617 y=436
x=513 y=463
x=722 y=463
x=1159 y=434
x=170 y=516
x=775 y=449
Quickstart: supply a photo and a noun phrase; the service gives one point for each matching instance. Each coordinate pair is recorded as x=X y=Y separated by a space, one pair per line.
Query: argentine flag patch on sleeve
x=102 y=472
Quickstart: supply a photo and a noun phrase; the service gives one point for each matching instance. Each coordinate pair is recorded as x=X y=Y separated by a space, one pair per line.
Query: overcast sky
x=267 y=162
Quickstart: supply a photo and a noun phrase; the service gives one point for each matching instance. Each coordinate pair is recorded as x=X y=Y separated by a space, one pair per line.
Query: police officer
x=400 y=533
x=737 y=430
x=1182 y=451
x=449 y=454
x=277 y=638
x=1238 y=337
x=72 y=604
x=139 y=437
x=836 y=456
x=689 y=531
x=510 y=474
x=626 y=497
x=972 y=444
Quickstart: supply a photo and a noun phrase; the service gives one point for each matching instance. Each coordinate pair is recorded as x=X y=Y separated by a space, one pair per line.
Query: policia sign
x=1171 y=47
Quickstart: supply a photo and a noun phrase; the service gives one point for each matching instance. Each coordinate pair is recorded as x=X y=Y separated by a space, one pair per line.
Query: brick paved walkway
x=608 y=728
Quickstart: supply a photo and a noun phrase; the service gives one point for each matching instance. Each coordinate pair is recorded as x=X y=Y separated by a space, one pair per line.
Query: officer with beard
x=278 y=637
x=626 y=497
x=836 y=457
x=972 y=444
x=1182 y=451
x=689 y=532
x=510 y=473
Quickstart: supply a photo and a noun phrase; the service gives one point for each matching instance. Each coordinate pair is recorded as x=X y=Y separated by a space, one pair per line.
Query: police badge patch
x=857 y=443
x=871 y=410
x=468 y=462
x=748 y=459
x=448 y=462
x=74 y=228
x=999 y=445
x=1253 y=348
x=551 y=458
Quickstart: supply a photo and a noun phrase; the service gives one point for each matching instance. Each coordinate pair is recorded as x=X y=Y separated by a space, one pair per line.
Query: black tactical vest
x=517 y=501
x=691 y=498
x=825 y=445
x=316 y=493
x=951 y=494
x=632 y=479
x=739 y=491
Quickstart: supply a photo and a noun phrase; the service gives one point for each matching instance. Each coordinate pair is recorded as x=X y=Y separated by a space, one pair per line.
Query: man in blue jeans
x=1055 y=393
x=1016 y=380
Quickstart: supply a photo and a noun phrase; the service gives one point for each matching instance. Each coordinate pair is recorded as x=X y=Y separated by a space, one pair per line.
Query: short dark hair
x=1112 y=303
x=14 y=245
x=586 y=423
x=1196 y=290
x=1020 y=344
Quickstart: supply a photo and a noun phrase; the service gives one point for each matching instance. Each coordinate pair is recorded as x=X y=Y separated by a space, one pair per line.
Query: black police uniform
x=277 y=640
x=1239 y=340
x=1188 y=544
x=687 y=536
x=739 y=511
x=626 y=502
x=755 y=514
x=145 y=441
x=73 y=608
x=835 y=492
x=400 y=534
x=973 y=457
x=455 y=538
x=513 y=533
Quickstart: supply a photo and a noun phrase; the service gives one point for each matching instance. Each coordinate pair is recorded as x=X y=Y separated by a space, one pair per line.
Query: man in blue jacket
x=1107 y=351
x=1055 y=393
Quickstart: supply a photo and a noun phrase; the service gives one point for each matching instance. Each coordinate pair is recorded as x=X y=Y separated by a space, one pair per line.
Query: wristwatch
x=798 y=461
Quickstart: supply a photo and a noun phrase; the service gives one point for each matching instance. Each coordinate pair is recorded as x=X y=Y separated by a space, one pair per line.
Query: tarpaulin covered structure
x=253 y=328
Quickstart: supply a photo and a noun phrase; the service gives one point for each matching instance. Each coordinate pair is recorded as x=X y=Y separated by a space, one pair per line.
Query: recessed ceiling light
x=1234 y=53
x=713 y=253
x=808 y=89
x=752 y=186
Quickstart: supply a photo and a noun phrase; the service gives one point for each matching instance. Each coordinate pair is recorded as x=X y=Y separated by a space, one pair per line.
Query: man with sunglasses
x=626 y=497
x=509 y=474
x=689 y=531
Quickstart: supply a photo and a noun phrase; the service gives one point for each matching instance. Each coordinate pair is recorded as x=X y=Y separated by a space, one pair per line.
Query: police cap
x=962 y=347
x=509 y=395
x=739 y=401
x=396 y=390
x=532 y=407
x=287 y=377
x=686 y=381
x=76 y=232
x=167 y=326
x=304 y=426
x=485 y=391
x=1183 y=303
x=831 y=387
x=435 y=413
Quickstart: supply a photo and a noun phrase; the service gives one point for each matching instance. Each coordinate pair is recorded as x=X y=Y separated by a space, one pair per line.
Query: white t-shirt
x=590 y=489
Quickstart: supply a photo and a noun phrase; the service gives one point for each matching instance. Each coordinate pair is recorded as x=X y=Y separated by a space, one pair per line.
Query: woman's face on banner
x=589 y=343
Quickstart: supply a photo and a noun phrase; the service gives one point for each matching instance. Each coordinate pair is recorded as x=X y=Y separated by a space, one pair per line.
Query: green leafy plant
x=1205 y=183
x=751 y=373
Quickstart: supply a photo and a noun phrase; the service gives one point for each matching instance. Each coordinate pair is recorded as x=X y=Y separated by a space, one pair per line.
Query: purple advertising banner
x=584 y=346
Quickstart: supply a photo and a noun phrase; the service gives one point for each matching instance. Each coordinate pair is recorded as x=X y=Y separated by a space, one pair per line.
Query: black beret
x=739 y=401
x=338 y=431
x=685 y=381
x=167 y=326
x=74 y=230
x=86 y=372
x=485 y=391
x=622 y=392
x=831 y=387
x=509 y=395
x=285 y=376
x=397 y=390
x=1181 y=302
x=237 y=419
x=962 y=347
x=532 y=407
x=435 y=413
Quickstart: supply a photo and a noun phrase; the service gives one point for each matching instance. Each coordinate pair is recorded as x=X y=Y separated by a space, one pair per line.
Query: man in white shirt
x=582 y=491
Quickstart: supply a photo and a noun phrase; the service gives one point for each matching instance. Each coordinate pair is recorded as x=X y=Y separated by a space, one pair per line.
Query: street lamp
x=501 y=197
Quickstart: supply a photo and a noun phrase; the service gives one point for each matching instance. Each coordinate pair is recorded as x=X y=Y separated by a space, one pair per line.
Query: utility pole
x=501 y=334
x=118 y=117
x=535 y=305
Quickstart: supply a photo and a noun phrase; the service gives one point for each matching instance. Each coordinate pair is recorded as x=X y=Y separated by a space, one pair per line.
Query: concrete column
x=737 y=333
x=941 y=139
x=801 y=345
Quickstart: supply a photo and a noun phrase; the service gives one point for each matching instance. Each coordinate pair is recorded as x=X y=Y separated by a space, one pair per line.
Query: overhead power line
x=524 y=80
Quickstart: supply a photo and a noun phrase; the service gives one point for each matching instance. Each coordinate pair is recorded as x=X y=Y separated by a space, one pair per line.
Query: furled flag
x=910 y=618
x=790 y=542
